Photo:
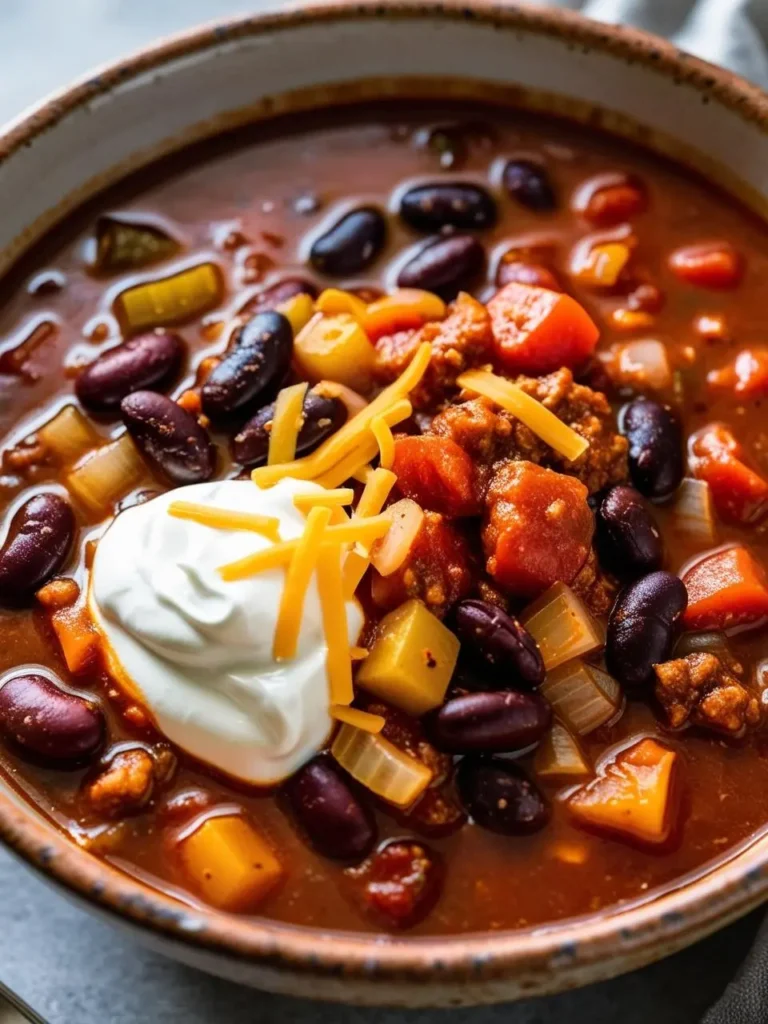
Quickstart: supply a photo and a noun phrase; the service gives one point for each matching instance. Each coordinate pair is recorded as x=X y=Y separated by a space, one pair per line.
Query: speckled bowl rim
x=542 y=959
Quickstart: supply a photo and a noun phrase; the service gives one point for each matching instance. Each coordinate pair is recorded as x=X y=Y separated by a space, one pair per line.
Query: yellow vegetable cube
x=412 y=661
x=298 y=310
x=229 y=863
x=335 y=348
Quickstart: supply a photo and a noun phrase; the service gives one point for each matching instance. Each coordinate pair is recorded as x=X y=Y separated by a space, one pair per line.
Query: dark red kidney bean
x=279 y=292
x=322 y=417
x=437 y=206
x=520 y=272
x=47 y=722
x=500 y=797
x=501 y=643
x=147 y=362
x=528 y=183
x=254 y=368
x=628 y=540
x=656 y=458
x=169 y=437
x=337 y=823
x=39 y=539
x=351 y=245
x=444 y=266
x=495 y=722
x=643 y=627
x=402 y=882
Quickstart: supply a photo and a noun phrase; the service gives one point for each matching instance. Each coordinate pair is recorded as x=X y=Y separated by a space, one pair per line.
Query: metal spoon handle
x=14 y=1010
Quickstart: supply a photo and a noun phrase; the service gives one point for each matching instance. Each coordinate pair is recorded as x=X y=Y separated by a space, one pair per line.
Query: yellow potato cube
x=335 y=348
x=412 y=661
x=229 y=863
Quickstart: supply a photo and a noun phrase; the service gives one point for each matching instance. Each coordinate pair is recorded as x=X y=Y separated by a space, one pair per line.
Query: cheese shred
x=339 y=663
x=305 y=556
x=360 y=719
x=224 y=519
x=383 y=435
x=528 y=410
x=332 y=499
x=286 y=423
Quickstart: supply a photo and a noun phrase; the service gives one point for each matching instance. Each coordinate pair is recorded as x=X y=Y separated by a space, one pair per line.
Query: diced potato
x=634 y=796
x=106 y=475
x=380 y=766
x=559 y=756
x=229 y=863
x=68 y=435
x=412 y=660
x=562 y=626
x=335 y=348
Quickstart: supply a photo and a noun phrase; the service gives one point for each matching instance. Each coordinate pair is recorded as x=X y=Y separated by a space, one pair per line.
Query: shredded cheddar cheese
x=355 y=567
x=223 y=519
x=533 y=414
x=377 y=488
x=358 y=653
x=383 y=435
x=363 y=475
x=350 y=464
x=332 y=499
x=286 y=424
x=302 y=565
x=360 y=719
x=339 y=663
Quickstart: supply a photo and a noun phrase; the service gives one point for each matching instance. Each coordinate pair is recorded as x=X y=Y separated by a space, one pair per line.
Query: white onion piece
x=106 y=475
x=380 y=766
x=583 y=696
x=645 y=362
x=389 y=553
x=693 y=512
x=562 y=626
x=560 y=756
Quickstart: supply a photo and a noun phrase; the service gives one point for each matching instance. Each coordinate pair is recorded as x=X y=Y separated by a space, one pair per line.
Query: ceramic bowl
x=225 y=74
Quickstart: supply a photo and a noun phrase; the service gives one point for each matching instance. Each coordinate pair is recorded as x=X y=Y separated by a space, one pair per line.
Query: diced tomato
x=538 y=331
x=712 y=265
x=739 y=493
x=402 y=882
x=438 y=474
x=725 y=589
x=747 y=375
x=539 y=528
x=615 y=203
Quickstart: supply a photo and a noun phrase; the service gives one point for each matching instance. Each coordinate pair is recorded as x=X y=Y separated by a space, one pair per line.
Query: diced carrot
x=76 y=635
x=739 y=493
x=438 y=474
x=746 y=375
x=727 y=588
x=713 y=265
x=539 y=528
x=537 y=330
x=59 y=593
x=635 y=795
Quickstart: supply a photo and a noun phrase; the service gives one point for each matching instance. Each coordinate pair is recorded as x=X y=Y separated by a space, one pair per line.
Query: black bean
x=656 y=459
x=528 y=183
x=351 y=245
x=278 y=293
x=500 y=797
x=444 y=266
x=169 y=437
x=495 y=722
x=48 y=723
x=337 y=823
x=644 y=625
x=628 y=540
x=147 y=362
x=437 y=206
x=37 y=544
x=252 y=372
x=322 y=417
x=497 y=640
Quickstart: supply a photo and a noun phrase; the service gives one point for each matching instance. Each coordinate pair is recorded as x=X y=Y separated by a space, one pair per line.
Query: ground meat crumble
x=699 y=688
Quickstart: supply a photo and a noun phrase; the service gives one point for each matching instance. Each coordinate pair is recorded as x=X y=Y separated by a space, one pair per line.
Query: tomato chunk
x=438 y=474
x=401 y=882
x=727 y=588
x=537 y=330
x=746 y=376
x=739 y=493
x=713 y=265
x=539 y=528
x=635 y=796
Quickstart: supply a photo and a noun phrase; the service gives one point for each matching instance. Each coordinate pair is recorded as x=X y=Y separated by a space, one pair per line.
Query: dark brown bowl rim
x=635 y=935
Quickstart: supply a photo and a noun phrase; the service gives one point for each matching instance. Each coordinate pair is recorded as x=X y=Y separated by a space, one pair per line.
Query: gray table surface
x=77 y=970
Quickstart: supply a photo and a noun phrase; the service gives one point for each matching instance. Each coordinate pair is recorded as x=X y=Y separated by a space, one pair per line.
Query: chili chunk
x=699 y=688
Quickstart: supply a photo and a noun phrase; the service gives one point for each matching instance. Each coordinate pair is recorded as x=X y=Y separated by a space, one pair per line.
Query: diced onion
x=389 y=553
x=378 y=765
x=582 y=696
x=68 y=436
x=560 y=756
x=287 y=421
x=693 y=512
x=169 y=300
x=106 y=475
x=562 y=626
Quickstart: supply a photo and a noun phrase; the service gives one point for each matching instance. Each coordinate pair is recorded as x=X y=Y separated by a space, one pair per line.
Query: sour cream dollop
x=196 y=651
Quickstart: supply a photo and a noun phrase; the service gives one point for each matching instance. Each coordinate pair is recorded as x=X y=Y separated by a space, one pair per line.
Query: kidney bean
x=628 y=540
x=278 y=293
x=656 y=460
x=322 y=417
x=48 y=723
x=528 y=183
x=444 y=266
x=713 y=265
x=38 y=541
x=500 y=797
x=403 y=881
x=253 y=370
x=644 y=625
x=337 y=823
x=146 y=362
x=169 y=437
x=434 y=207
x=495 y=722
x=501 y=643
x=526 y=273
x=351 y=245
